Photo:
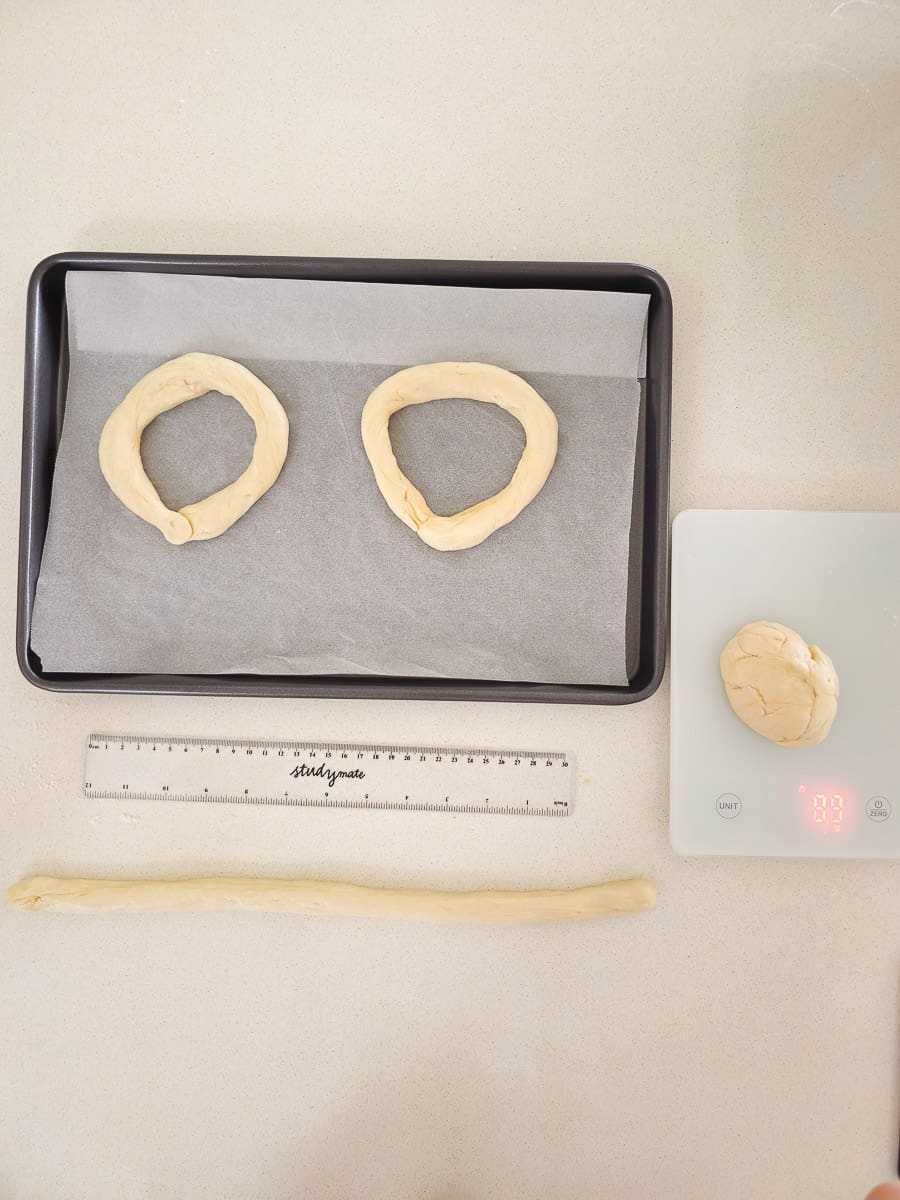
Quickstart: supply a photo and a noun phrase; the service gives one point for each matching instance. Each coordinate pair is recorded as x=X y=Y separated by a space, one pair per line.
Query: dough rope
x=164 y=388
x=470 y=381
x=44 y=893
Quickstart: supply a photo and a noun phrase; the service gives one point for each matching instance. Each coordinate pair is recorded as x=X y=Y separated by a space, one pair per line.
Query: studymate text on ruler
x=329 y=775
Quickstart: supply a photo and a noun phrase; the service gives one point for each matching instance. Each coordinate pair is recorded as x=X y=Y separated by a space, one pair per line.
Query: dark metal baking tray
x=45 y=391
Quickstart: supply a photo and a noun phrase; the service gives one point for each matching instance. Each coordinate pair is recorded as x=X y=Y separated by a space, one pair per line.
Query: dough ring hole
x=470 y=381
x=459 y=450
x=164 y=388
x=197 y=448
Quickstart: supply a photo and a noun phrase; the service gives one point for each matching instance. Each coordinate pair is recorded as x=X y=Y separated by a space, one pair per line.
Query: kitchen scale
x=835 y=579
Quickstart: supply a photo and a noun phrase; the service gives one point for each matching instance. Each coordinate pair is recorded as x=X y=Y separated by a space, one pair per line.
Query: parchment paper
x=319 y=576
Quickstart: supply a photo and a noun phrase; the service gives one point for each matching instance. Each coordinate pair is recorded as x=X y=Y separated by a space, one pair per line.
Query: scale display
x=835 y=578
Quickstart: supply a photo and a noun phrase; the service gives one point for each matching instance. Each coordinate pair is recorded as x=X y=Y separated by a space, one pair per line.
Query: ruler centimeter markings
x=329 y=775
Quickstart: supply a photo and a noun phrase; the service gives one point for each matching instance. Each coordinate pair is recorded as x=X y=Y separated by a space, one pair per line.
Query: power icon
x=878 y=808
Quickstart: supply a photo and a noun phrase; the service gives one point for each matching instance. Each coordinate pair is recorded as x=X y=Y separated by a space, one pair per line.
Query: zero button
x=878 y=808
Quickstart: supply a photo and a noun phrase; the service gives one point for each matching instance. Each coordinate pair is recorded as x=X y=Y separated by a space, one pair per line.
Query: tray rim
x=49 y=274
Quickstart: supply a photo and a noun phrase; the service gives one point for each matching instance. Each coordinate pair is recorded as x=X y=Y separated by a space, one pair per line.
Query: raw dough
x=470 y=381
x=166 y=387
x=43 y=893
x=782 y=688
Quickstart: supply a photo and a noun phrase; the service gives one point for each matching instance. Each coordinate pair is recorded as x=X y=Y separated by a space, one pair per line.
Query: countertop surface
x=742 y=1040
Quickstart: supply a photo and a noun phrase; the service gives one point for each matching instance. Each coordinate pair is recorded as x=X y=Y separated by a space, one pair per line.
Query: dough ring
x=471 y=381
x=166 y=387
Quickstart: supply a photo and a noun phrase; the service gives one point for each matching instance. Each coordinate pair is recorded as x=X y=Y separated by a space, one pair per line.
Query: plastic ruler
x=329 y=775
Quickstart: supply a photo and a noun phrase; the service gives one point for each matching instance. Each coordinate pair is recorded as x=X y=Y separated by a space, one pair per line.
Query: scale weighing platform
x=835 y=579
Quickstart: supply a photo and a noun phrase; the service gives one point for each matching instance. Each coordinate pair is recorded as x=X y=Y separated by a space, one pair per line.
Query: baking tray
x=46 y=364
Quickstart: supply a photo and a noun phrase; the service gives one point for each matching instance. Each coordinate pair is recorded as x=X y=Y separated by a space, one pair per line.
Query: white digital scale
x=835 y=578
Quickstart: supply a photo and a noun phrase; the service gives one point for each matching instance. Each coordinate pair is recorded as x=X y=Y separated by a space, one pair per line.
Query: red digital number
x=829 y=810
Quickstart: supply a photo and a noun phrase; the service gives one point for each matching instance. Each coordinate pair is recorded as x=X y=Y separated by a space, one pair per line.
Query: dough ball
x=783 y=689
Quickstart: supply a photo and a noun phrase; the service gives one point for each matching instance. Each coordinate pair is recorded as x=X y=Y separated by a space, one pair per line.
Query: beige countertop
x=741 y=1040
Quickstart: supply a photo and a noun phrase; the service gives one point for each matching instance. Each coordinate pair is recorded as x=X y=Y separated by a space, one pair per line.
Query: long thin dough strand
x=45 y=893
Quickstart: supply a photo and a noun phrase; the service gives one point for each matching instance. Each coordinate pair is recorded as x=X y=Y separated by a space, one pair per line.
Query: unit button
x=728 y=806
x=878 y=808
